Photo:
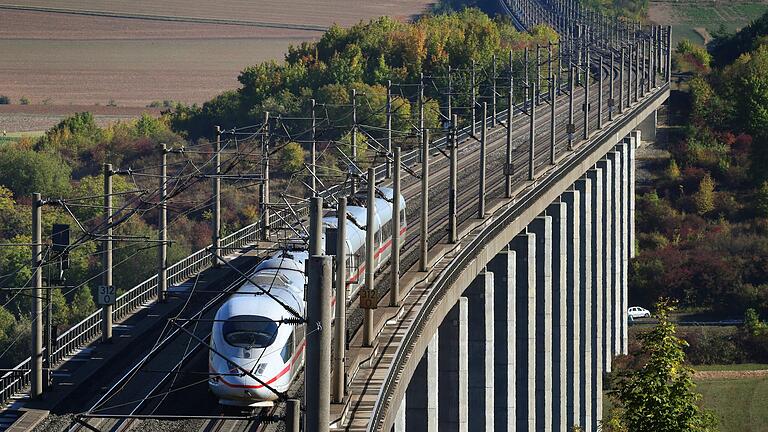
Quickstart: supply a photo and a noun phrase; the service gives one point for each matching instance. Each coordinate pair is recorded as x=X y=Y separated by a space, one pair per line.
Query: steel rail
x=467 y=254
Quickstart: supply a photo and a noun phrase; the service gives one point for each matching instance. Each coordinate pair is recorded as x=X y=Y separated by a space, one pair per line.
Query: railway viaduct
x=517 y=302
x=512 y=327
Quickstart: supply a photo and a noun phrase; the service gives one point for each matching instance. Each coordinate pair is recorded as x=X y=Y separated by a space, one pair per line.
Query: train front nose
x=240 y=390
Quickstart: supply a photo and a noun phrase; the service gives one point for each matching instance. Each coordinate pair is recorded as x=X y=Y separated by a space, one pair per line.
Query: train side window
x=287 y=351
x=359 y=257
x=385 y=231
x=350 y=262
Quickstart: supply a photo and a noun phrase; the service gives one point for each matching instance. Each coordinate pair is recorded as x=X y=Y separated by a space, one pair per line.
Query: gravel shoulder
x=730 y=374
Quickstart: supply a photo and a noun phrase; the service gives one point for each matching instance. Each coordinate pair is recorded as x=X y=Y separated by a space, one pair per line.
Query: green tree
x=673 y=171
x=660 y=396
x=147 y=126
x=27 y=171
x=345 y=146
x=704 y=198
x=18 y=342
x=15 y=272
x=82 y=304
x=292 y=158
x=753 y=324
x=367 y=54
x=72 y=135
x=60 y=315
x=347 y=66
x=14 y=219
x=7 y=321
x=704 y=100
x=93 y=186
x=761 y=201
x=746 y=84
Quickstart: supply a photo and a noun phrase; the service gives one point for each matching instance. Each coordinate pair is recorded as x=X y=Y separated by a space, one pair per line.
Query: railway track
x=184 y=359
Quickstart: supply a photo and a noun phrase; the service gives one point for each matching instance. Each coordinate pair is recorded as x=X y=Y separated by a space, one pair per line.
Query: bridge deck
x=366 y=383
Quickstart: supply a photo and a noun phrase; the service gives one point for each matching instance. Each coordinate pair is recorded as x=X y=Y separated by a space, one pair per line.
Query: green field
x=732 y=367
x=685 y=17
x=741 y=405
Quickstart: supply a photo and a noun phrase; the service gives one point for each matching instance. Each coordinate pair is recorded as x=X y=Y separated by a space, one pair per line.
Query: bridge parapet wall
x=481 y=244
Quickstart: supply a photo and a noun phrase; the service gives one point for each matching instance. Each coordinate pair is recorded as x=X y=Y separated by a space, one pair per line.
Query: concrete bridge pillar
x=635 y=142
x=625 y=245
x=605 y=205
x=572 y=316
x=503 y=268
x=541 y=227
x=615 y=232
x=453 y=415
x=598 y=261
x=524 y=246
x=400 y=425
x=648 y=126
x=586 y=283
x=421 y=407
x=560 y=276
x=481 y=352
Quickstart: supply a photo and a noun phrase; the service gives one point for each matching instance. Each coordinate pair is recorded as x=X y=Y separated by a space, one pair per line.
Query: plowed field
x=130 y=53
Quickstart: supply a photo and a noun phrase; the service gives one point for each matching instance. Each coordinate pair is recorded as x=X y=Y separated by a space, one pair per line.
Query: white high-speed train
x=248 y=330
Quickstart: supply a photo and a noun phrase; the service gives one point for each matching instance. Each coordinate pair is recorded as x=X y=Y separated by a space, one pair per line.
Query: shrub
x=164 y=104
x=292 y=158
x=651 y=241
x=761 y=200
x=726 y=205
x=361 y=146
x=672 y=172
x=82 y=304
x=24 y=100
x=704 y=198
x=752 y=323
x=692 y=57
x=708 y=346
x=692 y=177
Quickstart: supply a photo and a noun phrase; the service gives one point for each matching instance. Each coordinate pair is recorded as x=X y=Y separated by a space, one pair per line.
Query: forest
x=703 y=225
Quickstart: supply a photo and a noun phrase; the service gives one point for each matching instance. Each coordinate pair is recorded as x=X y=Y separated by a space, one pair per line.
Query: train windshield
x=250 y=331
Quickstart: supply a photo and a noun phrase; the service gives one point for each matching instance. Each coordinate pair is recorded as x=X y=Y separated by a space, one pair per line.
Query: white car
x=636 y=312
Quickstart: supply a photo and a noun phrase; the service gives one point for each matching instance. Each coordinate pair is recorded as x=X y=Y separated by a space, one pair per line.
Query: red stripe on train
x=275 y=378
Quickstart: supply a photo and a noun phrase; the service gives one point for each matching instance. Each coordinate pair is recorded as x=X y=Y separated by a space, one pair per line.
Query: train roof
x=245 y=303
x=360 y=214
x=284 y=259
